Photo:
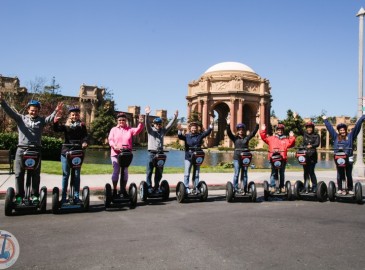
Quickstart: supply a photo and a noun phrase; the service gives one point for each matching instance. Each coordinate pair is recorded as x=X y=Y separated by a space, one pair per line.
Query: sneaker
x=77 y=200
x=339 y=191
x=351 y=192
x=344 y=192
x=18 y=199
x=158 y=190
x=187 y=190
x=314 y=189
x=115 y=193
x=197 y=191
x=272 y=189
x=278 y=190
x=150 y=190
x=35 y=199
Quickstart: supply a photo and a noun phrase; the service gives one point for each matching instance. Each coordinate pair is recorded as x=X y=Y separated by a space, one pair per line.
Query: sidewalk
x=217 y=180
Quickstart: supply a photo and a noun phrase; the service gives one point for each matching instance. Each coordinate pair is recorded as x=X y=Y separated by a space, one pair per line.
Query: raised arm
x=179 y=133
x=355 y=131
x=147 y=120
x=329 y=127
x=263 y=134
x=51 y=117
x=9 y=111
x=172 y=121
x=139 y=128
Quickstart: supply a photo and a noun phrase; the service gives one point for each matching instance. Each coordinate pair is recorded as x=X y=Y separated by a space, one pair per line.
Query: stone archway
x=229 y=87
x=221 y=110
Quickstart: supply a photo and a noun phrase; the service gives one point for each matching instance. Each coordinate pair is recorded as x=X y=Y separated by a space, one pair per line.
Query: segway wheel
x=252 y=190
x=43 y=198
x=86 y=198
x=203 y=191
x=133 y=195
x=164 y=186
x=55 y=200
x=107 y=195
x=358 y=193
x=298 y=187
x=331 y=191
x=143 y=190
x=229 y=192
x=289 y=194
x=180 y=192
x=9 y=198
x=322 y=191
x=266 y=191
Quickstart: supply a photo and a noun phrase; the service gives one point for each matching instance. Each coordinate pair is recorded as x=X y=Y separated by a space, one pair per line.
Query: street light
x=359 y=164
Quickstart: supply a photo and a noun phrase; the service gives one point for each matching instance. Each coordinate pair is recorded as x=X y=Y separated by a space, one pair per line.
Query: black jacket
x=240 y=143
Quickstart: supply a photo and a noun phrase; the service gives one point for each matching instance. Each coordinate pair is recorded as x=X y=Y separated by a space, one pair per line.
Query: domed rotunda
x=229 y=87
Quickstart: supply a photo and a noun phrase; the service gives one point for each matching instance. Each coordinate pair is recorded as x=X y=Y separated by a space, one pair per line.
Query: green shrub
x=51 y=148
x=9 y=141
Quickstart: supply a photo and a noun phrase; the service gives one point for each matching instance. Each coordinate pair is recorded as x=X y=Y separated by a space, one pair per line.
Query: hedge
x=51 y=147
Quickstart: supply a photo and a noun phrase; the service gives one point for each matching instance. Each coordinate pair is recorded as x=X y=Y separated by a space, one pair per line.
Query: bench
x=7 y=158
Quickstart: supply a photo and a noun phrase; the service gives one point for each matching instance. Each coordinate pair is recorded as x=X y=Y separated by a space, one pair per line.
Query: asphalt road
x=195 y=235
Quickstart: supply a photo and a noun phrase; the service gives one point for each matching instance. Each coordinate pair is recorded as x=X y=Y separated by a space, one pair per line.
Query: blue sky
x=146 y=52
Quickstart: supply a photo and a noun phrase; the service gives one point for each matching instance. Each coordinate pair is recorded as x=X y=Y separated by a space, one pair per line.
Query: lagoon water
x=175 y=158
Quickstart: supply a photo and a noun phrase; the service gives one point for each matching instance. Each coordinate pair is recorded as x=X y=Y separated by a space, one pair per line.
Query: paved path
x=97 y=182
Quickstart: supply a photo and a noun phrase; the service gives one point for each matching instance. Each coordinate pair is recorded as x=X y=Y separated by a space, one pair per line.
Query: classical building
x=233 y=88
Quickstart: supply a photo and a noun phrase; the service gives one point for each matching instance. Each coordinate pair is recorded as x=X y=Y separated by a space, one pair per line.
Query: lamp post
x=359 y=164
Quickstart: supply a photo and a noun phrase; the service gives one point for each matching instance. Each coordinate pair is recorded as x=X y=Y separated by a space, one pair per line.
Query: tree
x=53 y=88
x=104 y=119
x=293 y=124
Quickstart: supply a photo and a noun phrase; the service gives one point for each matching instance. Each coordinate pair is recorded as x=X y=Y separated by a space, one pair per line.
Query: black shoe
x=124 y=193
x=314 y=189
x=115 y=193
x=278 y=190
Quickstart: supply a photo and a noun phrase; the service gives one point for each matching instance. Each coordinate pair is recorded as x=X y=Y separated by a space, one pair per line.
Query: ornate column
x=240 y=110
x=262 y=112
x=205 y=114
x=233 y=114
x=93 y=110
x=189 y=110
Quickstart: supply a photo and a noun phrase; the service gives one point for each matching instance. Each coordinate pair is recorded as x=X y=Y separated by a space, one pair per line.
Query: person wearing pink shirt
x=121 y=137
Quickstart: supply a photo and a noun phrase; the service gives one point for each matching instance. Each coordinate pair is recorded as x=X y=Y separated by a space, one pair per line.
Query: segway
x=163 y=191
x=124 y=160
x=251 y=194
x=75 y=158
x=342 y=160
x=304 y=190
x=30 y=161
x=200 y=191
x=277 y=161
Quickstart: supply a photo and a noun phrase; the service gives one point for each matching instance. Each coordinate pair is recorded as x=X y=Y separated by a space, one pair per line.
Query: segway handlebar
x=30 y=145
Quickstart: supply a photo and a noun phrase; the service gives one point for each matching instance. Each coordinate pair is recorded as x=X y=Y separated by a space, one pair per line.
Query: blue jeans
x=237 y=169
x=149 y=170
x=275 y=175
x=66 y=174
x=187 y=170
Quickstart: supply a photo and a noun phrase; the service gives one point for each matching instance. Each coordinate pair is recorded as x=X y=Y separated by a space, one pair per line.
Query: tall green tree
x=292 y=123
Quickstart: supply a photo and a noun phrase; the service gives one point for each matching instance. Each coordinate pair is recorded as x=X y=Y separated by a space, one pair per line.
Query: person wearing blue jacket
x=192 y=139
x=344 y=140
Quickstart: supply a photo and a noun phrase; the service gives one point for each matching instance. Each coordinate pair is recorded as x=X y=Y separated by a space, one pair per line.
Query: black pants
x=20 y=173
x=309 y=174
x=343 y=173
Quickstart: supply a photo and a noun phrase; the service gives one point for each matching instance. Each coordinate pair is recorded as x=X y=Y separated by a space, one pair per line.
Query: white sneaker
x=351 y=192
x=197 y=191
x=187 y=190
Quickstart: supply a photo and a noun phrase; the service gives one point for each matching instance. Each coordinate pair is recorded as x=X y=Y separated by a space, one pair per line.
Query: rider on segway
x=74 y=131
x=240 y=142
x=156 y=136
x=343 y=141
x=30 y=128
x=278 y=144
x=193 y=140
x=120 y=137
x=309 y=146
